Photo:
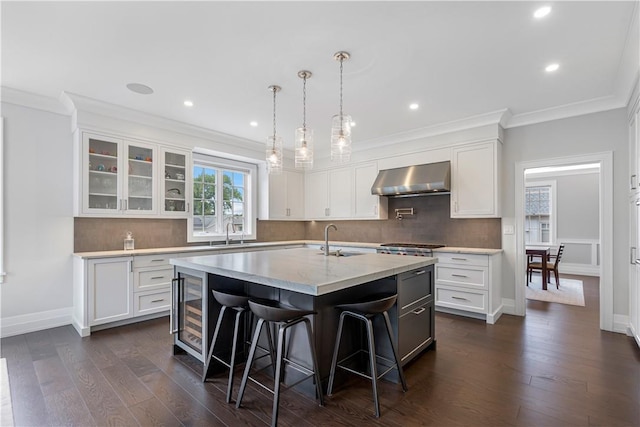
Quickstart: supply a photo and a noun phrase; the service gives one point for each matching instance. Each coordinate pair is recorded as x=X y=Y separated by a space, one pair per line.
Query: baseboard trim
x=579 y=269
x=23 y=324
x=509 y=306
x=621 y=323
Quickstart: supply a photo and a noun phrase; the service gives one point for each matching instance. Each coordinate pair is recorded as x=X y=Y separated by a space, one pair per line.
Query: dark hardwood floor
x=552 y=368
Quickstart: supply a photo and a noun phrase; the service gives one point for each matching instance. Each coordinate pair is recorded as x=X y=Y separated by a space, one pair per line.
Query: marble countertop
x=222 y=248
x=478 y=251
x=304 y=270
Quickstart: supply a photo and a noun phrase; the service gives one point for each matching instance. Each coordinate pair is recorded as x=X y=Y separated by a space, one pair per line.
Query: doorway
x=604 y=222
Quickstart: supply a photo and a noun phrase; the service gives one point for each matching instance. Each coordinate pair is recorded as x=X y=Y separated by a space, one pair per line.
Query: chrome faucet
x=233 y=229
x=326 y=238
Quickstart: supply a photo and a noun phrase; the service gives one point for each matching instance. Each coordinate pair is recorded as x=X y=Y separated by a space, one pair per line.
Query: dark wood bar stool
x=284 y=317
x=365 y=311
x=240 y=304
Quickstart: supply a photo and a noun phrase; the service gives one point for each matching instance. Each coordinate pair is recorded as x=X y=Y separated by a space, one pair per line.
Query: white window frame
x=553 y=216
x=251 y=196
x=2 y=272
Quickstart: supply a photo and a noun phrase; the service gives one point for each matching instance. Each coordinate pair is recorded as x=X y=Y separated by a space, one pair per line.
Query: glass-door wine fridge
x=189 y=312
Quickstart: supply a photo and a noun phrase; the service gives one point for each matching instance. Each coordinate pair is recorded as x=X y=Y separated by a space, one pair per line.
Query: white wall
x=592 y=133
x=38 y=216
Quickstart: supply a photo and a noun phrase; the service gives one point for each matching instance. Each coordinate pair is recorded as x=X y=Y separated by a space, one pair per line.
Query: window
x=222 y=199
x=540 y=218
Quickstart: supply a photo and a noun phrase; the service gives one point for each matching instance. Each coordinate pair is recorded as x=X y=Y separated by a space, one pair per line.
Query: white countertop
x=304 y=270
x=478 y=251
x=221 y=247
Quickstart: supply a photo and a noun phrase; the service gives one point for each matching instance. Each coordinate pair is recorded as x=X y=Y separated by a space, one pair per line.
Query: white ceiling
x=456 y=59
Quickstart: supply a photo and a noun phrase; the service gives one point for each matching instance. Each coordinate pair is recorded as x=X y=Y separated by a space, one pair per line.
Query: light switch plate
x=508 y=229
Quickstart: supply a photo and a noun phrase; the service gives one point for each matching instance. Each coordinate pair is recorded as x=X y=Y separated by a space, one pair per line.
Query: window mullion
x=220 y=199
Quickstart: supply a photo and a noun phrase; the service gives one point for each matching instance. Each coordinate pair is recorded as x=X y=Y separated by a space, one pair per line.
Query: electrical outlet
x=508 y=229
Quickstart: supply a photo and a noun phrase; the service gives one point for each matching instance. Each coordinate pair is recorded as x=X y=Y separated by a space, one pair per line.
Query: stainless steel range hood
x=430 y=178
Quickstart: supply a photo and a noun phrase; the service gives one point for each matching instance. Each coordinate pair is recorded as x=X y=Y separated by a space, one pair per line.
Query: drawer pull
x=157 y=260
x=417 y=273
x=459 y=275
x=459 y=259
x=460 y=298
x=157 y=277
x=419 y=311
x=157 y=300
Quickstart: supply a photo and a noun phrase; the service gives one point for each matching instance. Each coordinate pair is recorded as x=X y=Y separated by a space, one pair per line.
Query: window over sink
x=223 y=199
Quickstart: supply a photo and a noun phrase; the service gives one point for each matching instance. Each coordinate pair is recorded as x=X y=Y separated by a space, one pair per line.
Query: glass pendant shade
x=304 y=148
x=341 y=138
x=274 y=155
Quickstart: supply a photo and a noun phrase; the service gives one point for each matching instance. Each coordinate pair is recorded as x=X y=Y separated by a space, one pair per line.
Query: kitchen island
x=307 y=279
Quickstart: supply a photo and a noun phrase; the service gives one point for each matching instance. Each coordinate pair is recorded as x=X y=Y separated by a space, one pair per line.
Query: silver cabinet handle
x=459 y=259
x=459 y=275
x=173 y=313
x=188 y=207
x=157 y=300
x=157 y=260
x=419 y=311
x=157 y=277
x=633 y=186
x=632 y=255
x=418 y=273
x=460 y=298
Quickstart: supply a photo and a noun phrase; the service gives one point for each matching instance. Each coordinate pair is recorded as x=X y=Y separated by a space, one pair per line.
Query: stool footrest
x=389 y=366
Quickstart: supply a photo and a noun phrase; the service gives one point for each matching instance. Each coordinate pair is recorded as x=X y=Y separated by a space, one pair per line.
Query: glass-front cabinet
x=174 y=191
x=118 y=176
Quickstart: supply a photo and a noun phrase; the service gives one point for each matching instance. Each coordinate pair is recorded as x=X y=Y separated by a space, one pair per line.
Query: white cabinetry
x=475 y=180
x=344 y=193
x=366 y=204
x=152 y=276
x=286 y=195
x=175 y=187
x=634 y=269
x=116 y=177
x=109 y=290
x=469 y=284
x=329 y=194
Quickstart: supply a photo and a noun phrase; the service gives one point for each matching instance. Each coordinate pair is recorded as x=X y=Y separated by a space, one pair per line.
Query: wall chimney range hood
x=417 y=180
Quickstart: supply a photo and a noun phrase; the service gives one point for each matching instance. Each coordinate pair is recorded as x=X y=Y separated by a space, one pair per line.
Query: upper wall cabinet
x=175 y=187
x=117 y=177
x=475 y=185
x=286 y=196
x=344 y=193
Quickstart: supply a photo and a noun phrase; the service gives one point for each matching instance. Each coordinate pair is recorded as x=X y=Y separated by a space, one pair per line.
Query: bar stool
x=240 y=304
x=273 y=312
x=365 y=311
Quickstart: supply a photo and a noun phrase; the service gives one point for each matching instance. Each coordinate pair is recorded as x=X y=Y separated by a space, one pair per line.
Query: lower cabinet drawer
x=151 y=302
x=146 y=280
x=476 y=277
x=462 y=299
x=415 y=331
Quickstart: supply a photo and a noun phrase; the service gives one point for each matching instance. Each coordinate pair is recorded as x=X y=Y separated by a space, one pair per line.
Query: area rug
x=570 y=291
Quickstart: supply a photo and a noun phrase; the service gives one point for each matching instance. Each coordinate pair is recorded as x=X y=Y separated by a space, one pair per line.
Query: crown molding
x=32 y=100
x=82 y=103
x=491 y=118
x=595 y=105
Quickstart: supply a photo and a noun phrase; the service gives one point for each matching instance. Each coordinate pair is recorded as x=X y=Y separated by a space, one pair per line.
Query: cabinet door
x=474 y=192
x=634 y=269
x=295 y=195
x=110 y=290
x=341 y=193
x=140 y=179
x=101 y=181
x=366 y=204
x=175 y=174
x=316 y=195
x=278 y=196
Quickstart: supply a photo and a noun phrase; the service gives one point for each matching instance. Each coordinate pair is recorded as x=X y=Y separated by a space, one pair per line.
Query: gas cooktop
x=413 y=245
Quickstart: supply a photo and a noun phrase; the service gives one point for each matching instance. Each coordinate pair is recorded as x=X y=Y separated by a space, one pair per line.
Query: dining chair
x=552 y=266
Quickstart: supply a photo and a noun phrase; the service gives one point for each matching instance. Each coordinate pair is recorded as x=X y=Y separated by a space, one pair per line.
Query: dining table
x=544 y=253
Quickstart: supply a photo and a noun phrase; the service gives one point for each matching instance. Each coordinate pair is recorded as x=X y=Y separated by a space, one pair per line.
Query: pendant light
x=274 y=142
x=304 y=135
x=341 y=124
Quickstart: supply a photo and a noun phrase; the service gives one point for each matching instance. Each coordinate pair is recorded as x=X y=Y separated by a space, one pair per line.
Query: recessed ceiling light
x=551 y=68
x=542 y=12
x=140 y=88
x=253 y=124
x=188 y=103
x=414 y=106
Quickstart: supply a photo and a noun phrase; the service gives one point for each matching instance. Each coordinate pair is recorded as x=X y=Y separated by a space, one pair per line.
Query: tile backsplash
x=429 y=224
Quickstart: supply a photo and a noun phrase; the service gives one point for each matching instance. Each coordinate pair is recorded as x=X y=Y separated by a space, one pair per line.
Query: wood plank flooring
x=552 y=368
